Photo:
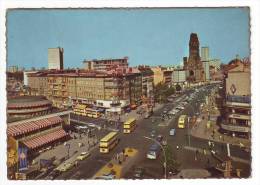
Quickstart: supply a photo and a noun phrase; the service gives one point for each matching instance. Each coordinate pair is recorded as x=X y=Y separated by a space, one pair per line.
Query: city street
x=185 y=156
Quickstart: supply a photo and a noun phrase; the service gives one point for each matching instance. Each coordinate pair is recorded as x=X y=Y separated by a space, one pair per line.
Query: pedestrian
x=204 y=151
x=222 y=147
x=209 y=143
x=208 y=162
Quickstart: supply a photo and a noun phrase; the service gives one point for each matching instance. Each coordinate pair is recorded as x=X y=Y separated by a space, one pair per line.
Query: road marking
x=237 y=159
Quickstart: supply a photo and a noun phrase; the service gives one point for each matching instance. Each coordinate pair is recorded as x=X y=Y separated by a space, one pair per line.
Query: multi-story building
x=205 y=53
x=105 y=64
x=215 y=63
x=55 y=58
x=206 y=71
x=12 y=69
x=147 y=81
x=238 y=99
x=38 y=83
x=158 y=76
x=167 y=77
x=179 y=77
x=135 y=88
x=94 y=88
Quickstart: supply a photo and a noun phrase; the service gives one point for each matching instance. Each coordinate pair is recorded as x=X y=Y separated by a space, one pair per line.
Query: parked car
x=55 y=173
x=164 y=142
x=139 y=172
x=159 y=138
x=106 y=177
x=153 y=133
x=83 y=156
x=66 y=167
x=172 y=132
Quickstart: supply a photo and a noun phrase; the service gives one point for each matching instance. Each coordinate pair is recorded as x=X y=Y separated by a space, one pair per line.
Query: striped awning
x=45 y=139
x=26 y=127
x=29 y=104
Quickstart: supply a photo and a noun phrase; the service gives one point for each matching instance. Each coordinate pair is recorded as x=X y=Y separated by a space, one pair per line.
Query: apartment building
x=237 y=105
x=105 y=64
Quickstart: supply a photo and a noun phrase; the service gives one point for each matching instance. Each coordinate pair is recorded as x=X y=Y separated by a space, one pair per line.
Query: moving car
x=55 y=173
x=159 y=138
x=138 y=172
x=152 y=133
x=83 y=156
x=66 y=167
x=106 y=177
x=164 y=142
x=172 y=132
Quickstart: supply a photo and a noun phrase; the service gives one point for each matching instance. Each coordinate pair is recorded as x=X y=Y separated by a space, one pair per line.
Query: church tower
x=194 y=66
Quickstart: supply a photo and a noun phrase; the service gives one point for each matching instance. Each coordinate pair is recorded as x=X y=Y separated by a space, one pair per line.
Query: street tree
x=171 y=160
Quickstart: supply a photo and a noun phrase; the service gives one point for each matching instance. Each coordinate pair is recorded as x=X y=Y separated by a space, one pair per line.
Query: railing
x=239 y=99
x=235 y=128
x=240 y=116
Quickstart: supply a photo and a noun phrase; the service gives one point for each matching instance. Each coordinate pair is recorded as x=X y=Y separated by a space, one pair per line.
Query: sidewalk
x=72 y=150
x=133 y=113
x=201 y=130
x=119 y=165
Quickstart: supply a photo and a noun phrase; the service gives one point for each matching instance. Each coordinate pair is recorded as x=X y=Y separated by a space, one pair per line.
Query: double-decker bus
x=153 y=151
x=182 y=121
x=93 y=113
x=108 y=142
x=129 y=125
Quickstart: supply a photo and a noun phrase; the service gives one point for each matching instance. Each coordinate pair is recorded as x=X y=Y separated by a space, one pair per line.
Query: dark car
x=55 y=173
x=139 y=172
x=159 y=138
x=153 y=133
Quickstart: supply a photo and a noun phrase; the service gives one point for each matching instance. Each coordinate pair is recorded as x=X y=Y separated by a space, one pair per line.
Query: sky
x=146 y=36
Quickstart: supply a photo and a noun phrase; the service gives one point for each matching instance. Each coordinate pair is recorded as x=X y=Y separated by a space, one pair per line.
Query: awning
x=45 y=139
x=26 y=127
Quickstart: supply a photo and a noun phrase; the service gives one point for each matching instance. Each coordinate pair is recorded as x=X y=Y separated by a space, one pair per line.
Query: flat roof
x=108 y=136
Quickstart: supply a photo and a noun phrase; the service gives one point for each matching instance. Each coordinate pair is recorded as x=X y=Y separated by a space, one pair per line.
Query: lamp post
x=189 y=124
x=68 y=149
x=165 y=162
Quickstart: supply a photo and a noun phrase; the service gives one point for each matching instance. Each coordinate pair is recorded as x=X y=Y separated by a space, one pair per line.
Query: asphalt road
x=154 y=168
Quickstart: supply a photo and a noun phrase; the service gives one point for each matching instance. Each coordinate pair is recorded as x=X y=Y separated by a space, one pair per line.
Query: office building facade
x=55 y=58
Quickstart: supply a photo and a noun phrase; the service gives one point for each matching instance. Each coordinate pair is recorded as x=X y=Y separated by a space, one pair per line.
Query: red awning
x=26 y=127
x=45 y=139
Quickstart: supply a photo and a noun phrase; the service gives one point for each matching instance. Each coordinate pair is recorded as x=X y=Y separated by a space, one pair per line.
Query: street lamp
x=165 y=162
x=68 y=148
x=189 y=124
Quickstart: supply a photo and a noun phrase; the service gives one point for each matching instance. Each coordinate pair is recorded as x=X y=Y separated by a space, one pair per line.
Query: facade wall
x=238 y=101
x=55 y=58
x=158 y=75
x=206 y=70
x=179 y=76
x=105 y=64
x=205 y=53
x=240 y=81
x=38 y=85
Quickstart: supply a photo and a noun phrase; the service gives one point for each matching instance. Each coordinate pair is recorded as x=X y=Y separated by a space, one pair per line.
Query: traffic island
x=118 y=166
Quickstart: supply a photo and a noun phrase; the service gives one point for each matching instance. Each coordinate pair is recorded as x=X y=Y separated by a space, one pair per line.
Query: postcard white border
x=255 y=58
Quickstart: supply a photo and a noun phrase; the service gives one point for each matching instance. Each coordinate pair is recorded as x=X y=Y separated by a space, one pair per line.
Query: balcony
x=240 y=116
x=235 y=128
x=241 y=101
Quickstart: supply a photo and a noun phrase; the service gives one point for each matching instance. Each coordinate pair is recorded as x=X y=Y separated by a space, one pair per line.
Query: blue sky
x=146 y=36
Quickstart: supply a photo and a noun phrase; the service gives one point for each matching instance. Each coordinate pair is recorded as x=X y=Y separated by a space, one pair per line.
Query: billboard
x=22 y=158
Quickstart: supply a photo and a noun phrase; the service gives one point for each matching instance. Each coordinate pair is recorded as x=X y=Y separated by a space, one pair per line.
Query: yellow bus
x=129 y=125
x=80 y=109
x=182 y=121
x=93 y=113
x=108 y=142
